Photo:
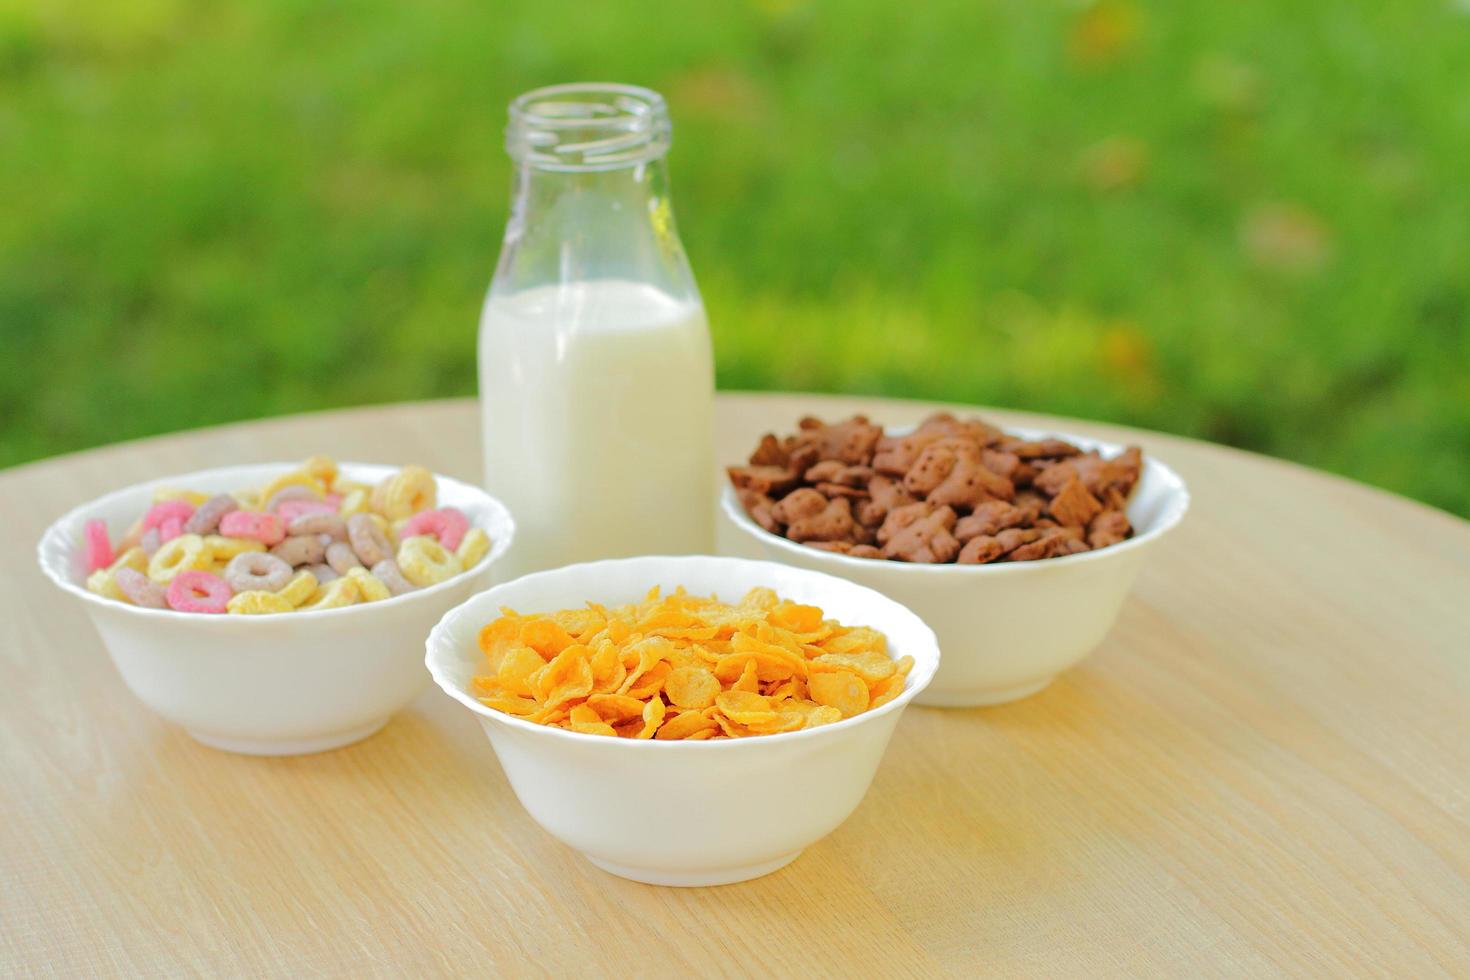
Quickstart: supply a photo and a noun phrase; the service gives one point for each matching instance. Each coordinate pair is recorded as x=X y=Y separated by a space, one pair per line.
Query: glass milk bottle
x=596 y=376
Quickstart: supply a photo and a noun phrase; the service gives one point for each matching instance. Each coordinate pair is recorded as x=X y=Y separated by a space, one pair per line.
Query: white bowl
x=270 y=685
x=684 y=813
x=1006 y=629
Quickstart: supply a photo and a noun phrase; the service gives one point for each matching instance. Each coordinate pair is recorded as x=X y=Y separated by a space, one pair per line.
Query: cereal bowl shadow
x=684 y=813
x=1006 y=629
x=270 y=685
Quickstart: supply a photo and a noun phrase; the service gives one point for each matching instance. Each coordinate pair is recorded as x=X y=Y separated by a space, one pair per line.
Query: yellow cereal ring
x=371 y=587
x=336 y=593
x=193 y=497
x=405 y=493
x=475 y=545
x=354 y=502
x=424 y=561
x=222 y=548
x=135 y=558
x=102 y=583
x=256 y=602
x=247 y=499
x=323 y=469
x=344 y=487
x=185 y=552
x=300 y=589
x=293 y=479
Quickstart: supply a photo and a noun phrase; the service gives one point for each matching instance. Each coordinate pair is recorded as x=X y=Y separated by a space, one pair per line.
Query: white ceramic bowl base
x=271 y=685
x=1006 y=629
x=684 y=813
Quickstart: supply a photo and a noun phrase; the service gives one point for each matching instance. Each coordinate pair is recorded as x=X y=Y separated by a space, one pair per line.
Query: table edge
x=19 y=472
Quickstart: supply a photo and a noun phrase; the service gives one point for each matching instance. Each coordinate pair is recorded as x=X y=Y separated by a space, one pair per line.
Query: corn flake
x=687 y=668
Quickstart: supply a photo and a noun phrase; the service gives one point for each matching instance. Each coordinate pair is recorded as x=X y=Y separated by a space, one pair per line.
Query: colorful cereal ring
x=165 y=509
x=257 y=603
x=171 y=528
x=300 y=549
x=474 y=547
x=341 y=558
x=425 y=562
x=300 y=589
x=187 y=552
x=329 y=524
x=255 y=571
x=99 y=548
x=206 y=519
x=368 y=539
x=139 y=589
x=289 y=510
x=405 y=493
x=388 y=572
x=371 y=587
x=337 y=593
x=268 y=529
x=325 y=573
x=272 y=493
x=198 y=592
x=447 y=524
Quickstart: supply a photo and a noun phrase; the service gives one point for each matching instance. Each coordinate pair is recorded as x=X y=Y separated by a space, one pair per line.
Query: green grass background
x=1244 y=221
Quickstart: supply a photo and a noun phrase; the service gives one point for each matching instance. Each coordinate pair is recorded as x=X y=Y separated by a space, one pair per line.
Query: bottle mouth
x=588 y=126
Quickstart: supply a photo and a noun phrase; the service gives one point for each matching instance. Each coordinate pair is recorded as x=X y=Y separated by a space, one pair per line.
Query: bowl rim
x=1175 y=509
x=56 y=540
x=916 y=682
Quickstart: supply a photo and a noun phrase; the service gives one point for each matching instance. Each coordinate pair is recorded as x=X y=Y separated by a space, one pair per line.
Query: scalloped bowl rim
x=57 y=547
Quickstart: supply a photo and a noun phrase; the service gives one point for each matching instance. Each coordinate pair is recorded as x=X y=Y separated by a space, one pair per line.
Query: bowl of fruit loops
x=234 y=601
x=1017 y=546
x=685 y=721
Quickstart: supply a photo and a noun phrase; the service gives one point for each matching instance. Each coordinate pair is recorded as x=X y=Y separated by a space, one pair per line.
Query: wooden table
x=1264 y=769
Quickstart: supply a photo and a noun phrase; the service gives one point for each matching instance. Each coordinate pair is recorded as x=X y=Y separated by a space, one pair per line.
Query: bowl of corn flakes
x=685 y=720
x=321 y=662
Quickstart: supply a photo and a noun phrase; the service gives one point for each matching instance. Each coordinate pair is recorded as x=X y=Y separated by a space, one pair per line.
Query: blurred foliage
x=1246 y=222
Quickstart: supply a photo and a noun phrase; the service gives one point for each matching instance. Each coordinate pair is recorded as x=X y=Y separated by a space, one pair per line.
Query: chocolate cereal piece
x=836 y=471
x=1053 y=543
x=1074 y=506
x=1109 y=527
x=990 y=518
x=926 y=539
x=885 y=494
x=988 y=548
x=850 y=442
x=772 y=480
x=833 y=523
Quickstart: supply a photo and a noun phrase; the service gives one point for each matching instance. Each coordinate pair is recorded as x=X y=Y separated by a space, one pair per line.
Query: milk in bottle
x=596 y=378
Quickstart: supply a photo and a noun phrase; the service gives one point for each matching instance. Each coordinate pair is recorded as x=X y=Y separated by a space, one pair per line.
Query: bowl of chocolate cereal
x=1018 y=547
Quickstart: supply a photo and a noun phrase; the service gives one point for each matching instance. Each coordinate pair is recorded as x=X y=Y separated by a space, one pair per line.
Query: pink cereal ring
x=289 y=510
x=99 y=548
x=198 y=592
x=162 y=511
x=265 y=528
x=448 y=524
x=171 y=528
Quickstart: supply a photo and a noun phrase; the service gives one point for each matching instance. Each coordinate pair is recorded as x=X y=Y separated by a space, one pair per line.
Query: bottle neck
x=577 y=225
